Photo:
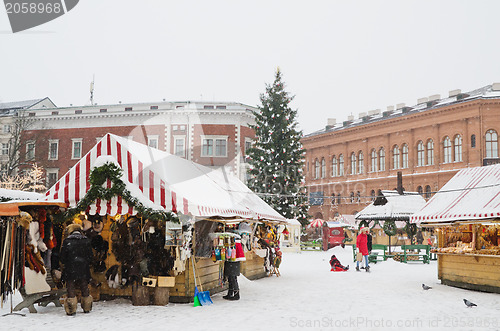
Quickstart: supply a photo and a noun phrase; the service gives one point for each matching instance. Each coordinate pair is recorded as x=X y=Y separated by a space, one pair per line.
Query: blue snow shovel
x=203 y=296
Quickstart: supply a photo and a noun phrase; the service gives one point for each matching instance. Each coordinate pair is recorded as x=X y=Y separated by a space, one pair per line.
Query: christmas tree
x=276 y=158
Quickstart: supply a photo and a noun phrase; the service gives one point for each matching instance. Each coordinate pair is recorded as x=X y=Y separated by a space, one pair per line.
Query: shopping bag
x=359 y=257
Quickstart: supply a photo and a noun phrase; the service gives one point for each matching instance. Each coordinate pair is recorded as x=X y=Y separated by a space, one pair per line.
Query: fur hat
x=24 y=219
x=73 y=227
x=364 y=229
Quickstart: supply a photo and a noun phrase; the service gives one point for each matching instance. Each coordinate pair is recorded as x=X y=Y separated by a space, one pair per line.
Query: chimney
x=422 y=100
x=434 y=97
x=350 y=118
x=331 y=121
x=400 y=183
x=361 y=115
x=400 y=105
x=454 y=93
x=495 y=87
x=390 y=108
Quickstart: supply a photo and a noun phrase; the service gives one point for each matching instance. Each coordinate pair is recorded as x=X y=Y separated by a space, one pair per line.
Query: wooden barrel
x=140 y=296
x=161 y=296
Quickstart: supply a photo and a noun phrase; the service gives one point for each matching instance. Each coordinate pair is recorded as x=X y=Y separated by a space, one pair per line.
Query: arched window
x=361 y=163
x=341 y=165
x=358 y=197
x=334 y=199
x=372 y=194
x=381 y=156
x=420 y=154
x=339 y=199
x=323 y=168
x=395 y=157
x=353 y=163
x=420 y=190
x=473 y=141
x=316 y=169
x=457 y=145
x=374 y=161
x=352 y=197
x=427 y=192
x=430 y=152
x=491 y=139
x=404 y=150
x=334 y=166
x=446 y=150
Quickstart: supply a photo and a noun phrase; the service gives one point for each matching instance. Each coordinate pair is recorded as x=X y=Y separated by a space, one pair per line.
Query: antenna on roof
x=92 y=90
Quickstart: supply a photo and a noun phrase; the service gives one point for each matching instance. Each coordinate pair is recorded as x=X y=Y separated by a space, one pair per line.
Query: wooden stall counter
x=470 y=271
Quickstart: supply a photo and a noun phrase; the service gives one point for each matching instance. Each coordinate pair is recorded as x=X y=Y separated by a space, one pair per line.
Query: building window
x=473 y=141
x=381 y=156
x=353 y=163
x=395 y=157
x=3 y=169
x=221 y=107
x=427 y=192
x=341 y=165
x=52 y=175
x=374 y=161
x=372 y=194
x=53 y=149
x=104 y=110
x=78 y=111
x=6 y=128
x=491 y=139
x=358 y=197
x=420 y=190
x=5 y=149
x=30 y=150
x=446 y=150
x=339 y=199
x=128 y=108
x=316 y=169
x=208 y=107
x=334 y=166
x=323 y=168
x=179 y=146
x=458 y=148
x=420 y=154
x=76 y=151
x=405 y=156
x=55 y=113
x=361 y=163
x=153 y=141
x=214 y=146
x=430 y=152
x=153 y=107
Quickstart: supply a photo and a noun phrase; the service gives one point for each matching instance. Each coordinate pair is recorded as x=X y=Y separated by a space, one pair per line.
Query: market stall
x=27 y=236
x=290 y=236
x=466 y=213
x=388 y=216
x=152 y=212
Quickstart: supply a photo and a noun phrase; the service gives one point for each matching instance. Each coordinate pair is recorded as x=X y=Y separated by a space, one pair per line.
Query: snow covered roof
x=486 y=92
x=161 y=181
x=472 y=194
x=19 y=195
x=392 y=206
x=20 y=104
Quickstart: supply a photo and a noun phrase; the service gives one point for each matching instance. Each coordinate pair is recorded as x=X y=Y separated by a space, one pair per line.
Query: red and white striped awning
x=472 y=194
x=160 y=181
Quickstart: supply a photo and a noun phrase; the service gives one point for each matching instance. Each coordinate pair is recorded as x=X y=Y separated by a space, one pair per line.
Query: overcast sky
x=337 y=57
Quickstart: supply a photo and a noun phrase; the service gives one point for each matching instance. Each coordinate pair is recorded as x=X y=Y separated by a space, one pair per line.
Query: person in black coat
x=76 y=257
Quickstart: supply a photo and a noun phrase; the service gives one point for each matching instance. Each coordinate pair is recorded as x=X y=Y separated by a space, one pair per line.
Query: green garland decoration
x=390 y=228
x=111 y=171
x=411 y=229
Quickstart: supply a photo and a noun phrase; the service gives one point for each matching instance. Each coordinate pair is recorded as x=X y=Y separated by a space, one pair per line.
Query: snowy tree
x=276 y=158
x=35 y=179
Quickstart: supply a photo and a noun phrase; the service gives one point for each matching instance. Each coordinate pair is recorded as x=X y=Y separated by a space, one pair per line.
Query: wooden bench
x=421 y=252
x=313 y=245
x=40 y=298
x=378 y=253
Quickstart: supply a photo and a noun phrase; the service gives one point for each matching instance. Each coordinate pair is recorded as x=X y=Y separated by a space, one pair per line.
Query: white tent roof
x=397 y=207
x=161 y=181
x=472 y=194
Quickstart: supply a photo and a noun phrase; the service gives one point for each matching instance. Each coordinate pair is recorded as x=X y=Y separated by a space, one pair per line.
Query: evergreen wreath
x=111 y=171
x=363 y=223
x=390 y=228
x=411 y=229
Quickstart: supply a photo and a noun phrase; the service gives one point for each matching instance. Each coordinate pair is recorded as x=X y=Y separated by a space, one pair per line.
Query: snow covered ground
x=306 y=297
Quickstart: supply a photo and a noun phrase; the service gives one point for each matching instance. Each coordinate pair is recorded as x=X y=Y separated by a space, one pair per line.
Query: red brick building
x=348 y=163
x=210 y=133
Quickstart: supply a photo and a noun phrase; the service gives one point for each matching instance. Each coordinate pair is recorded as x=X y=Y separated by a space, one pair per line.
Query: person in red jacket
x=362 y=245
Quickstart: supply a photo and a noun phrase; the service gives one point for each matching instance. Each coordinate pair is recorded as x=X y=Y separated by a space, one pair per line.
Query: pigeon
x=425 y=287
x=469 y=304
